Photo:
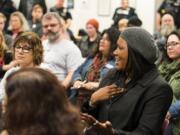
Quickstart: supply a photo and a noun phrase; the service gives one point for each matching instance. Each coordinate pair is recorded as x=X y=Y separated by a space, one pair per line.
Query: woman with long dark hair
x=95 y=67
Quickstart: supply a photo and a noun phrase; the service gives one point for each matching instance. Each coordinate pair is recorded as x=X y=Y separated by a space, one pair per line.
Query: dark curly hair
x=37 y=105
x=35 y=42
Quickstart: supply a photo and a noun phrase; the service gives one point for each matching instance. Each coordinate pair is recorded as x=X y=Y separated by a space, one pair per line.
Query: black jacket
x=119 y=14
x=7 y=59
x=139 y=111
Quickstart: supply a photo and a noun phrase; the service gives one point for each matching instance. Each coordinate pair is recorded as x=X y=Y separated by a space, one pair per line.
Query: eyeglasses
x=50 y=25
x=171 y=44
x=25 y=49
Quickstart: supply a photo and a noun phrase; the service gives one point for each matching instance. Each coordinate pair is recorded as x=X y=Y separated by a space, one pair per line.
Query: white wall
x=86 y=9
x=146 y=11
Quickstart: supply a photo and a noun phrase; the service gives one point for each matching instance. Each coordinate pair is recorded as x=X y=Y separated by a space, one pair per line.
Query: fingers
x=79 y=84
x=114 y=90
x=108 y=124
x=89 y=119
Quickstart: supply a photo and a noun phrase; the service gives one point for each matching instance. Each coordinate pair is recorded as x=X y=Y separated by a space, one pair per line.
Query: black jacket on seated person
x=138 y=111
x=7 y=59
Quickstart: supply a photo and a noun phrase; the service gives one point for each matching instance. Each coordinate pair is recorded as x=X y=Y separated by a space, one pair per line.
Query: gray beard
x=166 y=30
x=53 y=36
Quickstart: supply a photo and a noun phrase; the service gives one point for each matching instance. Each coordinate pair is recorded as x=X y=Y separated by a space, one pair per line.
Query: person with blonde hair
x=5 y=57
x=17 y=24
x=122 y=24
x=8 y=38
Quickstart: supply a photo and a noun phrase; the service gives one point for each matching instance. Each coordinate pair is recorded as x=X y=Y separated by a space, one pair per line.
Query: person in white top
x=27 y=52
x=61 y=56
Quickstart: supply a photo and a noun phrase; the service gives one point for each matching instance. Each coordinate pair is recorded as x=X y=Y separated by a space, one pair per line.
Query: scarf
x=93 y=73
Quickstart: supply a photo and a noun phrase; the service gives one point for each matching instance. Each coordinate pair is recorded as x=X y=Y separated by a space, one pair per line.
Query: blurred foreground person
x=37 y=105
x=133 y=98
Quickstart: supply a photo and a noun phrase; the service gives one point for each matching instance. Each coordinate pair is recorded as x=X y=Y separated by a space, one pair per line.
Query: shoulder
x=4 y=132
x=45 y=42
x=117 y=8
x=10 y=71
x=153 y=84
x=84 y=38
x=53 y=8
x=110 y=77
x=159 y=87
x=68 y=44
x=131 y=8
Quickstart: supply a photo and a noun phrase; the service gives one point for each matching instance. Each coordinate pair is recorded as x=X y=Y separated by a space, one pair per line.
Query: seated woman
x=170 y=70
x=36 y=104
x=27 y=52
x=5 y=57
x=17 y=24
x=133 y=98
x=88 y=75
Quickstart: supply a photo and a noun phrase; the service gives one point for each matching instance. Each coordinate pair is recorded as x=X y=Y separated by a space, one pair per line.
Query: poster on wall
x=104 y=7
x=70 y=4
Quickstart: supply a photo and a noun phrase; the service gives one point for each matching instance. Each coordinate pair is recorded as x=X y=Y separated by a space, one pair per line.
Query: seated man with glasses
x=61 y=56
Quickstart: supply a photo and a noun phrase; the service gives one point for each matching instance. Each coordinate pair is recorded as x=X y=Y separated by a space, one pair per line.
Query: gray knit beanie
x=141 y=41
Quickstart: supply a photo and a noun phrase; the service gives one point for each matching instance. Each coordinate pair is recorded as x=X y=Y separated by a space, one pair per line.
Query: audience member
x=17 y=24
x=63 y=12
x=25 y=7
x=35 y=23
x=95 y=67
x=122 y=24
x=133 y=98
x=36 y=104
x=167 y=26
x=170 y=70
x=174 y=110
x=7 y=8
x=172 y=7
x=8 y=38
x=134 y=21
x=61 y=56
x=27 y=52
x=124 y=11
x=5 y=57
x=88 y=44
